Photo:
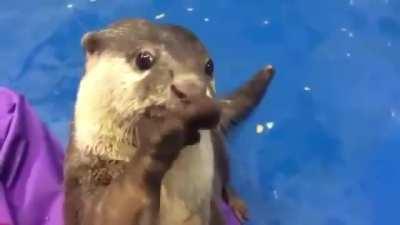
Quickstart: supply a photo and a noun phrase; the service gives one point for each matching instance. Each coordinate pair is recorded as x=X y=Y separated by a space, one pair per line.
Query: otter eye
x=144 y=60
x=209 y=68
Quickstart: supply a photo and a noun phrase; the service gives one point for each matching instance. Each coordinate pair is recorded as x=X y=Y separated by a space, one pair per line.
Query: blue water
x=330 y=154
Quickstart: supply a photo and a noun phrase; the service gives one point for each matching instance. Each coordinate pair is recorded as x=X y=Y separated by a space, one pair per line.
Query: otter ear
x=91 y=42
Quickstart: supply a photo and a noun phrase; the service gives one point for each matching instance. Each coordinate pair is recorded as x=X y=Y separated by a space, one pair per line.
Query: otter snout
x=184 y=89
x=201 y=111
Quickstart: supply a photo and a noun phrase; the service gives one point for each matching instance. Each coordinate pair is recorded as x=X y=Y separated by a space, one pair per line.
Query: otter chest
x=187 y=186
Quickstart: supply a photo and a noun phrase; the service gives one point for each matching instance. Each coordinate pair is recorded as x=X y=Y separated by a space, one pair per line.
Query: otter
x=132 y=66
x=133 y=197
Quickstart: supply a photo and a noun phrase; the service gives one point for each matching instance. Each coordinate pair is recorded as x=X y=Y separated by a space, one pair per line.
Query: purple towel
x=31 y=171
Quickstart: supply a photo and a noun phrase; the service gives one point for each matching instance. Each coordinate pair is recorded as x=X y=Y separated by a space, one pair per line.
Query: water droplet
x=190 y=9
x=275 y=192
x=259 y=128
x=393 y=113
x=270 y=125
x=92 y=0
x=226 y=101
x=307 y=88
x=348 y=54
x=206 y=19
x=389 y=44
x=351 y=35
x=351 y=2
x=70 y=6
x=343 y=29
x=159 y=16
x=266 y=22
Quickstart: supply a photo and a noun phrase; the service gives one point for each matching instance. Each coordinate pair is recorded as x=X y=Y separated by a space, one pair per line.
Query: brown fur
x=96 y=162
x=106 y=192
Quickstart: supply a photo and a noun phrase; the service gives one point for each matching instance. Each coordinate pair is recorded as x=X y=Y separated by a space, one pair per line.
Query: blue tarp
x=326 y=150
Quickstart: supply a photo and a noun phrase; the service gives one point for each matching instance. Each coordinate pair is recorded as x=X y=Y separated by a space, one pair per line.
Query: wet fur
x=101 y=144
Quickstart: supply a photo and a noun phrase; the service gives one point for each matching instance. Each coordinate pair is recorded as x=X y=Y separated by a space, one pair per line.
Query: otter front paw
x=240 y=209
x=160 y=133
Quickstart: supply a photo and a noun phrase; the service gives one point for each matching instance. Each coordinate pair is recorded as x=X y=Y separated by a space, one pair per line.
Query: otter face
x=131 y=65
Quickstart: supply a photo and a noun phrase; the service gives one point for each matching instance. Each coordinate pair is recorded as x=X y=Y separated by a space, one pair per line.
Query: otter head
x=130 y=66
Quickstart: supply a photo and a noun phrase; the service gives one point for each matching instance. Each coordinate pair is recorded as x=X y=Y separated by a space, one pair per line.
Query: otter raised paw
x=161 y=132
x=134 y=197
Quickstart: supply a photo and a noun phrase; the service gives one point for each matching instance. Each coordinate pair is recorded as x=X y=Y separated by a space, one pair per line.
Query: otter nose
x=187 y=88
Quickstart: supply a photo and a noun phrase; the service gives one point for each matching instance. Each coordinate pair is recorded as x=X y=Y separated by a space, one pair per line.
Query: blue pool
x=323 y=148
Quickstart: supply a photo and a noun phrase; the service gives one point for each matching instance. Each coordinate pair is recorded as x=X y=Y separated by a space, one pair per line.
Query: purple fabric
x=230 y=218
x=31 y=168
